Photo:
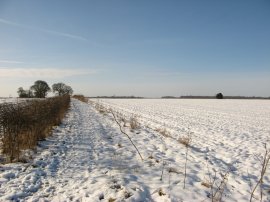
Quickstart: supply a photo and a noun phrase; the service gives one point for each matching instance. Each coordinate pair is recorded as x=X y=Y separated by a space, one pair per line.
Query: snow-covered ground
x=14 y=100
x=3 y=100
x=88 y=159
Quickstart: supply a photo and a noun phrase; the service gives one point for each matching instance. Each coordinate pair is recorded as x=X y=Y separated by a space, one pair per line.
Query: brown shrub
x=81 y=98
x=23 y=124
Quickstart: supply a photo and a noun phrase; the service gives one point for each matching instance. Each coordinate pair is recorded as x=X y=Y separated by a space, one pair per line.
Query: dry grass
x=100 y=108
x=111 y=199
x=161 y=192
x=206 y=184
x=23 y=124
x=217 y=185
x=123 y=132
x=186 y=141
x=127 y=194
x=119 y=145
x=164 y=132
x=174 y=170
x=81 y=98
x=264 y=163
x=134 y=123
x=121 y=118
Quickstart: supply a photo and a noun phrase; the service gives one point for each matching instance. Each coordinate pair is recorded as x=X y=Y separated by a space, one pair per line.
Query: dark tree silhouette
x=62 y=89
x=40 y=89
x=219 y=96
x=24 y=93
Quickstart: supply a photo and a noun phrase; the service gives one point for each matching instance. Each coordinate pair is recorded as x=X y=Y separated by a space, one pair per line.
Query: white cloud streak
x=71 y=36
x=10 y=23
x=10 y=62
x=42 y=73
x=52 y=32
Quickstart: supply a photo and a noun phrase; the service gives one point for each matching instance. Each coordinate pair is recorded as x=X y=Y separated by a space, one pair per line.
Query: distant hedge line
x=23 y=124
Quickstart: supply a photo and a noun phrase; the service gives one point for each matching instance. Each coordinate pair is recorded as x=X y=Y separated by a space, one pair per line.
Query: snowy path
x=75 y=157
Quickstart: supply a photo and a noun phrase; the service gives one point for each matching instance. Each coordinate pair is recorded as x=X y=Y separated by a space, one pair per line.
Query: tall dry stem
x=120 y=127
x=186 y=141
x=265 y=162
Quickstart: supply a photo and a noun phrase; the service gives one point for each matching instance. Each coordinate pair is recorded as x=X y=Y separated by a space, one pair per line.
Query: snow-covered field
x=89 y=159
x=14 y=100
x=2 y=100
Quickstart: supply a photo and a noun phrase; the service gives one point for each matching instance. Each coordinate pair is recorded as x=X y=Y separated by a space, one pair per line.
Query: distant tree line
x=118 y=97
x=217 y=96
x=40 y=89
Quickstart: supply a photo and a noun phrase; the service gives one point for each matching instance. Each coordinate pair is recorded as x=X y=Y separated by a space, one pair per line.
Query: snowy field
x=89 y=159
x=3 y=100
x=14 y=100
x=17 y=100
x=226 y=134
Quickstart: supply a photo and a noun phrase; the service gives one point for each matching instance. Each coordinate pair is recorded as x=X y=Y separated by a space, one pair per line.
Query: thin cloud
x=52 y=32
x=10 y=23
x=64 y=35
x=10 y=62
x=157 y=73
x=42 y=73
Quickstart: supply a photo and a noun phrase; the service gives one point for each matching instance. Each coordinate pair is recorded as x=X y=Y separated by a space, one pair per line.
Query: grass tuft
x=186 y=141
x=134 y=123
x=161 y=192
x=164 y=132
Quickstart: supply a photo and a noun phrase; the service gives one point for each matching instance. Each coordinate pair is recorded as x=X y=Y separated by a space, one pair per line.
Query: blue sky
x=143 y=48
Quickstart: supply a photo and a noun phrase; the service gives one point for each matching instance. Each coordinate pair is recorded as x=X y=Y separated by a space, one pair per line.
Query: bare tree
x=21 y=92
x=40 y=89
x=62 y=89
x=24 y=93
